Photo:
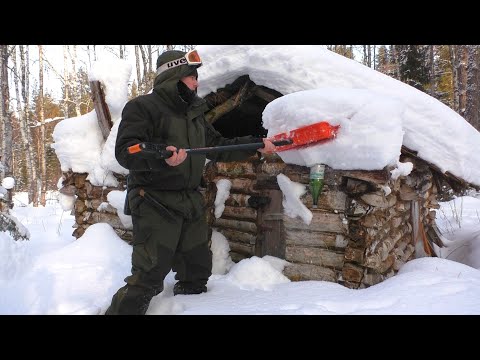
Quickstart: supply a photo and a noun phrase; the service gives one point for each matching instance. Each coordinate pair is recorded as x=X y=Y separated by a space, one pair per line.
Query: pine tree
x=413 y=68
x=383 y=63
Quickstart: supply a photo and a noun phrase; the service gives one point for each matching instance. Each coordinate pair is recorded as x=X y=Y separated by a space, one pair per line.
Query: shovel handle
x=162 y=153
x=249 y=146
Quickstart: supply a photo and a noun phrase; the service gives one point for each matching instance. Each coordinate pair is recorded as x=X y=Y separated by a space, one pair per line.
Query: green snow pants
x=161 y=243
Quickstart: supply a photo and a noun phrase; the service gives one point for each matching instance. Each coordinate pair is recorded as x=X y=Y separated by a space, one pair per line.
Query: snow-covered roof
x=376 y=113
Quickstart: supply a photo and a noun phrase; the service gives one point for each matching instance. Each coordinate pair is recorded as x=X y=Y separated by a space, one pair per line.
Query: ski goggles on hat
x=190 y=58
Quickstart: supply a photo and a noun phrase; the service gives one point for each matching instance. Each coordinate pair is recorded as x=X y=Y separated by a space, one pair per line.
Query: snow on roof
x=376 y=113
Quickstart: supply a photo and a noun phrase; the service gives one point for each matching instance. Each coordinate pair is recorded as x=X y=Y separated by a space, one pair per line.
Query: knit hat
x=172 y=55
x=169 y=55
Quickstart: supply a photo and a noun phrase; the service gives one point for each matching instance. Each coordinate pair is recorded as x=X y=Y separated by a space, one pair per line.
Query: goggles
x=190 y=58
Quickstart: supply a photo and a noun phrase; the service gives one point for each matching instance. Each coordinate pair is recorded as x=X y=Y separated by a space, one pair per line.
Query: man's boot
x=130 y=300
x=188 y=288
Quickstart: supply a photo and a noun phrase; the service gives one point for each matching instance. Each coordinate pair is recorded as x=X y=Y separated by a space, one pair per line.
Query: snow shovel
x=304 y=136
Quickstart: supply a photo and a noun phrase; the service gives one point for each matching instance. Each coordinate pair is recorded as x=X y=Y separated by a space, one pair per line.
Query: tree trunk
x=433 y=82
x=89 y=56
x=150 y=58
x=145 y=67
x=451 y=50
x=75 y=86
x=7 y=131
x=369 y=56
x=137 y=66
x=461 y=78
x=23 y=126
x=6 y=113
x=41 y=146
x=24 y=66
x=472 y=87
x=394 y=60
x=67 y=84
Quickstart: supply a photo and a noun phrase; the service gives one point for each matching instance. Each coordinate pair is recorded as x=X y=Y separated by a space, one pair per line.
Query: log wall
x=361 y=233
x=89 y=198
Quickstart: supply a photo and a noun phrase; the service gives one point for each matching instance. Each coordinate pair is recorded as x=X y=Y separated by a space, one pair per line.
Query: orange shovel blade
x=307 y=135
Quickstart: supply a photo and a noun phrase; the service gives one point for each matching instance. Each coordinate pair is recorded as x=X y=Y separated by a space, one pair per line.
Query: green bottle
x=317 y=173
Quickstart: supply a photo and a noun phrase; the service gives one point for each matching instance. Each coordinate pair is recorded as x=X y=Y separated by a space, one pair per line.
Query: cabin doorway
x=236 y=110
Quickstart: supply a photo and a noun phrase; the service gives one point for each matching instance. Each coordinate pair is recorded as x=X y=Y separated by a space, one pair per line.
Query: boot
x=188 y=288
x=130 y=300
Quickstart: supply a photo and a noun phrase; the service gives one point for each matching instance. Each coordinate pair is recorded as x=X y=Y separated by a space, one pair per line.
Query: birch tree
x=33 y=189
x=7 y=131
x=150 y=58
x=460 y=78
x=41 y=147
x=138 y=68
x=75 y=82
x=25 y=135
x=66 y=86
x=144 y=67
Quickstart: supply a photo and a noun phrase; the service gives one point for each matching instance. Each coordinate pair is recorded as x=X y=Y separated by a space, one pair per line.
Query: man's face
x=191 y=81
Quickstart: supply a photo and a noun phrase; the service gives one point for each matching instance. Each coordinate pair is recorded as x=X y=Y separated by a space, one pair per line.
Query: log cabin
x=360 y=234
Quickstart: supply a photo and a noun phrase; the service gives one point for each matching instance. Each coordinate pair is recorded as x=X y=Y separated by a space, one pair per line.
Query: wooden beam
x=234 y=101
x=263 y=94
x=101 y=108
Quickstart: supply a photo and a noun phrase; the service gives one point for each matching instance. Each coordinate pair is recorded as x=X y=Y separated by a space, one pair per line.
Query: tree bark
x=137 y=66
x=67 y=84
x=452 y=51
x=23 y=126
x=7 y=130
x=472 y=87
x=433 y=82
x=41 y=146
x=76 y=82
x=150 y=58
x=461 y=78
x=25 y=68
x=145 y=67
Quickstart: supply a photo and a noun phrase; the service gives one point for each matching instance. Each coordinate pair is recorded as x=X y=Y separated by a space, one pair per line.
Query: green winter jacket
x=162 y=117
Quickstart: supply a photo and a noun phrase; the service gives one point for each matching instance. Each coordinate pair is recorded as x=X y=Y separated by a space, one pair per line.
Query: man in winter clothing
x=168 y=215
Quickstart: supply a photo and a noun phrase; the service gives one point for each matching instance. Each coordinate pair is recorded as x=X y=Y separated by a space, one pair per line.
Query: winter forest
x=30 y=108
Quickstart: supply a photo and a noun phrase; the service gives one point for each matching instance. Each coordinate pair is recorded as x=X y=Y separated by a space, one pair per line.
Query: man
x=168 y=215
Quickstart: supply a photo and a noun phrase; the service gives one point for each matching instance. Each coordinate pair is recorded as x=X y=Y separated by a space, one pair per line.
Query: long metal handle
x=250 y=146
x=162 y=153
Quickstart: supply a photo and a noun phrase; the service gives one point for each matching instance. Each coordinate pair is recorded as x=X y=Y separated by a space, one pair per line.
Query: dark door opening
x=246 y=119
x=236 y=109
